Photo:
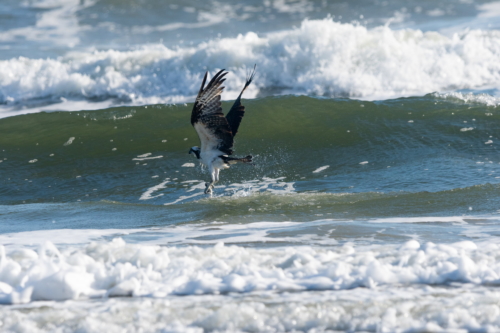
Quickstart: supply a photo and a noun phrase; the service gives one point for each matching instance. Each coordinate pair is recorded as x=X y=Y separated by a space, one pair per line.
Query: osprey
x=215 y=131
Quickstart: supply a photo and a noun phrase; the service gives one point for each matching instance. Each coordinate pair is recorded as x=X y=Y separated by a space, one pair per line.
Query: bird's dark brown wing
x=207 y=117
x=237 y=111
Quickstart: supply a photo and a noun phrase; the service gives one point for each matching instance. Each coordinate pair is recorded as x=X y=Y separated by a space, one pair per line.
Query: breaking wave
x=321 y=57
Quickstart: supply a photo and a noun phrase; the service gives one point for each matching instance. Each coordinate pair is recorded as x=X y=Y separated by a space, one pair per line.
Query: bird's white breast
x=209 y=154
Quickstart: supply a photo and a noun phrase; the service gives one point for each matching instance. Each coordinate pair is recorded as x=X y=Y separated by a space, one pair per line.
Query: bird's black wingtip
x=203 y=83
x=250 y=76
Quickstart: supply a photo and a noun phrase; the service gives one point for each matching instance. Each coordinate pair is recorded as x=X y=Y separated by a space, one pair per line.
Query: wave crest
x=321 y=57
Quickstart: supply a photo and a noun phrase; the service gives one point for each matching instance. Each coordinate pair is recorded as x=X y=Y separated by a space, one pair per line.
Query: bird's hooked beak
x=196 y=152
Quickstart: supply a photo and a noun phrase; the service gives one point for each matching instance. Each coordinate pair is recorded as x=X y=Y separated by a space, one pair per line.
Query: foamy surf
x=115 y=268
x=401 y=309
x=471 y=98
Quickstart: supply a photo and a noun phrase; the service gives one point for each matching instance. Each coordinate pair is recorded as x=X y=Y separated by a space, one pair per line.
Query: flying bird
x=215 y=131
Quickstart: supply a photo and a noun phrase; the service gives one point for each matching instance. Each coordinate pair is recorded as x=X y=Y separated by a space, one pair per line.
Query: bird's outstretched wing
x=207 y=117
x=237 y=111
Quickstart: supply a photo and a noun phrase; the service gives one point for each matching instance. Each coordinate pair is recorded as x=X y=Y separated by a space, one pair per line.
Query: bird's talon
x=208 y=188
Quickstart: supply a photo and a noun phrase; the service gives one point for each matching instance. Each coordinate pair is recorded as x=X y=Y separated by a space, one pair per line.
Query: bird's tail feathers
x=232 y=160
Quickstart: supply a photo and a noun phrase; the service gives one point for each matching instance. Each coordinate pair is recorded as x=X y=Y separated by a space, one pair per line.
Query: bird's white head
x=195 y=150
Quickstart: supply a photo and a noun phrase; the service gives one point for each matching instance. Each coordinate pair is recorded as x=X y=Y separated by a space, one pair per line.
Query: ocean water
x=373 y=204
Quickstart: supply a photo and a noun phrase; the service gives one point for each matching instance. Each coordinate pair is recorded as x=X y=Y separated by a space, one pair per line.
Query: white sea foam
x=491 y=9
x=70 y=141
x=146 y=156
x=399 y=309
x=116 y=268
x=33 y=239
x=320 y=57
x=266 y=184
x=203 y=234
x=57 y=16
x=486 y=99
x=422 y=219
x=246 y=188
x=321 y=169
x=147 y=195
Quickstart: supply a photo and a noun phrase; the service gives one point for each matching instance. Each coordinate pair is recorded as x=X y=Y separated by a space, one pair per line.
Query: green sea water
x=313 y=156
